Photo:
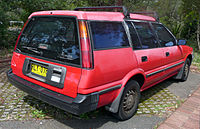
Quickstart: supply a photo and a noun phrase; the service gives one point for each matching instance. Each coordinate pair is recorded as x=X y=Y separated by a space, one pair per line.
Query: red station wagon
x=82 y=60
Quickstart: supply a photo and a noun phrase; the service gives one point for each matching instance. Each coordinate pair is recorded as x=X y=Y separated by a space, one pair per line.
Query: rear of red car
x=49 y=56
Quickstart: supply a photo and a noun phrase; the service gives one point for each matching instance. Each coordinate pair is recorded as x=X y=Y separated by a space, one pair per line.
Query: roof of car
x=94 y=15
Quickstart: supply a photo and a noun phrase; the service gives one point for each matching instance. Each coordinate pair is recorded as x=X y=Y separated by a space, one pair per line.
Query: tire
x=186 y=70
x=129 y=101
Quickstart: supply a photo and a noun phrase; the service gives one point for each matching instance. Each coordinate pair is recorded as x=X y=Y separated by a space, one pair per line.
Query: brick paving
x=187 y=116
x=17 y=105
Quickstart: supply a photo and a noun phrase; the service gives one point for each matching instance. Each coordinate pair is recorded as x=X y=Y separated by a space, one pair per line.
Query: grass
x=38 y=114
x=196 y=60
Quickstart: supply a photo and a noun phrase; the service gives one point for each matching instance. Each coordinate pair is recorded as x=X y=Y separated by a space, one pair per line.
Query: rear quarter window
x=108 y=35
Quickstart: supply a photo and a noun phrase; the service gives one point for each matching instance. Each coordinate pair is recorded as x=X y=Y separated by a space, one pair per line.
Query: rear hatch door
x=48 y=54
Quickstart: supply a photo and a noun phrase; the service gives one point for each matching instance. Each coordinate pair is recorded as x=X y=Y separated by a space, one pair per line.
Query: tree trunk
x=198 y=32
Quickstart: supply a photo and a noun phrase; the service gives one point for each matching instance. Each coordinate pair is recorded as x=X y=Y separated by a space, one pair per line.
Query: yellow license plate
x=39 y=70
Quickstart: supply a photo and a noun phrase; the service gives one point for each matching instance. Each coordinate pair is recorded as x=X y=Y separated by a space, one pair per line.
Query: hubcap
x=129 y=100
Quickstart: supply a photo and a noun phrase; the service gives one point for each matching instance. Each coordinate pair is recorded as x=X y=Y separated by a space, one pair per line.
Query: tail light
x=85 y=45
x=20 y=35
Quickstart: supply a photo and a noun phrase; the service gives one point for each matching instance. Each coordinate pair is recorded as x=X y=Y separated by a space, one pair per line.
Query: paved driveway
x=156 y=104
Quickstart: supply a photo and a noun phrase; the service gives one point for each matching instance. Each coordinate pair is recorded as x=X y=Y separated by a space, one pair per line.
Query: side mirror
x=182 y=42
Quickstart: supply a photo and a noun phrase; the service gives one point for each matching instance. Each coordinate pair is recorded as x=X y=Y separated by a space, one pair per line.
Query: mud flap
x=114 y=106
x=180 y=73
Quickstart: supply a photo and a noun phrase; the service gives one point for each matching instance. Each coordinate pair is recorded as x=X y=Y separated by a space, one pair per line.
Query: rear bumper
x=78 y=105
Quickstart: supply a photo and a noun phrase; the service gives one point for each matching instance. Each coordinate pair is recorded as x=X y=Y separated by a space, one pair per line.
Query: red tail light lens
x=85 y=45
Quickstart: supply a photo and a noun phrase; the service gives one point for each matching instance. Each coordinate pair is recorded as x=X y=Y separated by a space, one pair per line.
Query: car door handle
x=167 y=53
x=144 y=58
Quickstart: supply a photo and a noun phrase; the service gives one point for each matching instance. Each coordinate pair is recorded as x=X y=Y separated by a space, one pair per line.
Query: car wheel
x=186 y=70
x=129 y=101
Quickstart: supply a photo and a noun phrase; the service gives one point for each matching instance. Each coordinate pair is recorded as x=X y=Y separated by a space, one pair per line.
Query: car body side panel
x=175 y=54
x=132 y=73
x=186 y=50
x=178 y=54
x=108 y=97
x=110 y=67
x=152 y=84
x=154 y=63
x=173 y=68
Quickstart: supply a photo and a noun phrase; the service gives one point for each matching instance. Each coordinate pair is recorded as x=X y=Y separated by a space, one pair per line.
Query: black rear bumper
x=78 y=105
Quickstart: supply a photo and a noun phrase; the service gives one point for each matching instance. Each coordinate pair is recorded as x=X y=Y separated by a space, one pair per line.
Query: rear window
x=108 y=35
x=51 y=37
x=146 y=35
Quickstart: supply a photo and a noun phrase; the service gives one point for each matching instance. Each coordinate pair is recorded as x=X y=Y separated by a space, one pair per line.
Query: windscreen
x=54 y=38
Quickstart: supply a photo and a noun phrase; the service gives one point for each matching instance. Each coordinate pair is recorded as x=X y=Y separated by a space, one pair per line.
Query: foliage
x=191 y=13
x=8 y=11
x=190 y=25
x=191 y=5
x=196 y=61
x=30 y=6
x=180 y=16
x=3 y=24
x=168 y=11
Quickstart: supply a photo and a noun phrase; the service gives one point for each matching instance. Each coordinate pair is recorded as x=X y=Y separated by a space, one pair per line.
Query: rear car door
x=172 y=52
x=148 y=52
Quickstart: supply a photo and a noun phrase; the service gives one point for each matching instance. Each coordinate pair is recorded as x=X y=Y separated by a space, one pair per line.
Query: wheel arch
x=137 y=75
x=139 y=78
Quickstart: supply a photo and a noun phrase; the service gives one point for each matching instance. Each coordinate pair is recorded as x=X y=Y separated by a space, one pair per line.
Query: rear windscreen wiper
x=32 y=50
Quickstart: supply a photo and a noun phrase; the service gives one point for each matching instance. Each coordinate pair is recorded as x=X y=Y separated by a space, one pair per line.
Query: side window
x=165 y=38
x=108 y=35
x=146 y=35
x=134 y=37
